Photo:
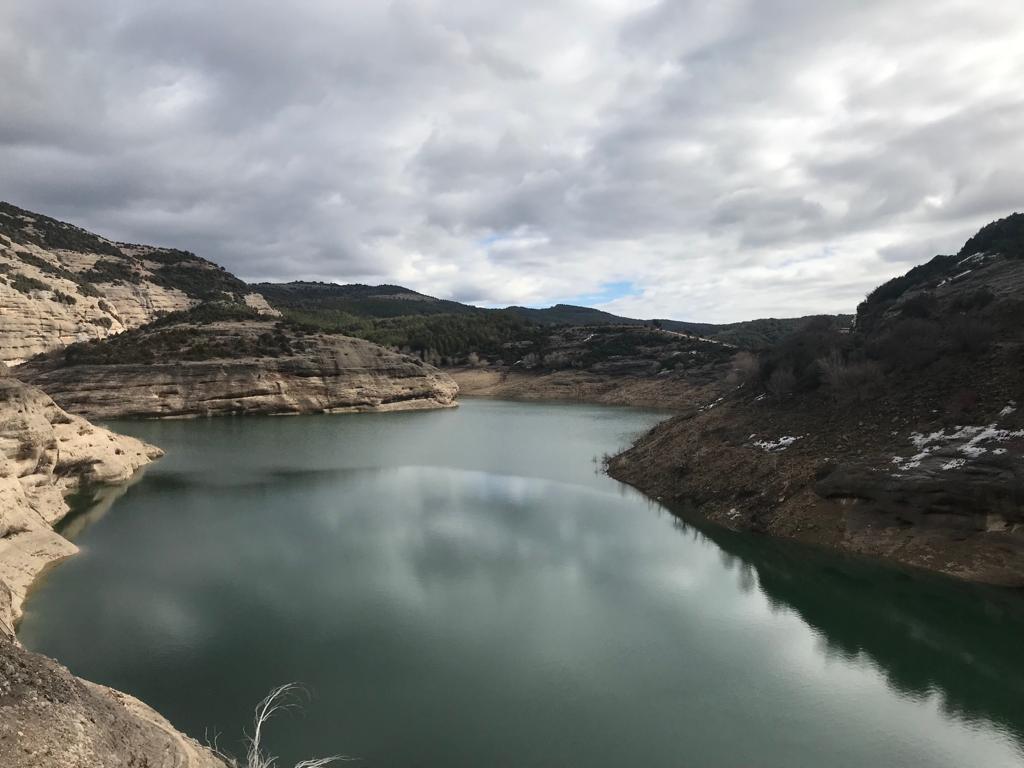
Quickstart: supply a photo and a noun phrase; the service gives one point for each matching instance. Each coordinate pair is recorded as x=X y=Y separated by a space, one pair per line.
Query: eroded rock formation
x=48 y=717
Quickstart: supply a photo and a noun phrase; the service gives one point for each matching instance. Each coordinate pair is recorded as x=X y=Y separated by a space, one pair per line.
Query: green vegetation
x=1004 y=236
x=198 y=279
x=188 y=336
x=373 y=301
x=25 y=284
x=435 y=338
x=108 y=271
x=50 y=233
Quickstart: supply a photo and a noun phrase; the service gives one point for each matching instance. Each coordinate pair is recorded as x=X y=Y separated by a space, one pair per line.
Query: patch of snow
x=774 y=446
x=759 y=398
x=974 y=258
x=962 y=274
x=953 y=464
x=1008 y=409
x=998 y=451
x=969 y=440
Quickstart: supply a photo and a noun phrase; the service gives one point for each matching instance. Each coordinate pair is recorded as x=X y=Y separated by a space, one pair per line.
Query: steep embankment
x=903 y=440
x=60 y=284
x=48 y=717
x=216 y=362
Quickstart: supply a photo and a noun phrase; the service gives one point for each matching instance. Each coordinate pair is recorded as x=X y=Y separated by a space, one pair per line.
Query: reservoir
x=467 y=588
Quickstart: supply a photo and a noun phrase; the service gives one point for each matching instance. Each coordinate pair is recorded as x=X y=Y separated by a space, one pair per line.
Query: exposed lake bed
x=467 y=588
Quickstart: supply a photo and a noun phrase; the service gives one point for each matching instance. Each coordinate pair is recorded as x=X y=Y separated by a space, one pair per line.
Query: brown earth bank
x=233 y=367
x=671 y=392
x=48 y=717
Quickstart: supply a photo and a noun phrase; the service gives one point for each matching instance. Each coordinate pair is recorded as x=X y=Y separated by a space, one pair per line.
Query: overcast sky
x=697 y=159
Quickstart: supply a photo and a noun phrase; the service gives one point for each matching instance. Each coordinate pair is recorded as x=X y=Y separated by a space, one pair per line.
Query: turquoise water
x=465 y=588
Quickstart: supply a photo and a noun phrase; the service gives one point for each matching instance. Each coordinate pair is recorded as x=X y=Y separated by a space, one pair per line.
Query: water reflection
x=928 y=634
x=461 y=589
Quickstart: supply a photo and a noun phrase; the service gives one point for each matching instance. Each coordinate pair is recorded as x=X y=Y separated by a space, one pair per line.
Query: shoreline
x=668 y=392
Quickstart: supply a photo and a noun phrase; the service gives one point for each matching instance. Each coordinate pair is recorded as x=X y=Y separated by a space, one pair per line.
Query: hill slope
x=904 y=439
x=60 y=284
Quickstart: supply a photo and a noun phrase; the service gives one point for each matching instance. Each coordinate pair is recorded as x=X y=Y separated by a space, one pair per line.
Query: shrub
x=64 y=298
x=88 y=289
x=978 y=299
x=781 y=382
x=911 y=344
x=746 y=368
x=108 y=271
x=799 y=352
x=969 y=336
x=920 y=305
x=850 y=382
x=25 y=284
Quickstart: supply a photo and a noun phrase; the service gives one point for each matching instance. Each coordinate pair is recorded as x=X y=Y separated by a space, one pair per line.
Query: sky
x=712 y=160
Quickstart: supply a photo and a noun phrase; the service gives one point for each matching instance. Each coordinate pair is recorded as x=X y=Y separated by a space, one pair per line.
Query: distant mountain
x=329 y=303
x=60 y=284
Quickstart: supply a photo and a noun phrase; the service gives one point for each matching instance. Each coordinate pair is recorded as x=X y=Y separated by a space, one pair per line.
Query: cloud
x=725 y=160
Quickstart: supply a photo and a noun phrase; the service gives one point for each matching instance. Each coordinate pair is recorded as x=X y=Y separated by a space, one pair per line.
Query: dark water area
x=465 y=588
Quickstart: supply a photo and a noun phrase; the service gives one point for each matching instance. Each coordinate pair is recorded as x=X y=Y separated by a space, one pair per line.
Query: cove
x=465 y=588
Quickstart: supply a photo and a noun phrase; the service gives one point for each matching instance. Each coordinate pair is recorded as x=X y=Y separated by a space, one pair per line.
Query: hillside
x=903 y=439
x=448 y=333
x=60 y=284
x=226 y=359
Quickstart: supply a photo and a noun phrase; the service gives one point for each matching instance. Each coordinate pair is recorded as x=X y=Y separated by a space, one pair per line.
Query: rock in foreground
x=48 y=717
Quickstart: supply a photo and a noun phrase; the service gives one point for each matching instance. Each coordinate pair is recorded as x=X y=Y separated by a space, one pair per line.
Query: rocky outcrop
x=51 y=719
x=60 y=284
x=48 y=717
x=46 y=454
x=236 y=367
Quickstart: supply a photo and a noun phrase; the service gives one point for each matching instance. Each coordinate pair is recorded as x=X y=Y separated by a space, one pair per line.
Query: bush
x=922 y=305
x=850 y=381
x=911 y=344
x=64 y=298
x=25 y=284
x=781 y=383
x=746 y=368
x=799 y=352
x=108 y=271
x=973 y=301
x=969 y=336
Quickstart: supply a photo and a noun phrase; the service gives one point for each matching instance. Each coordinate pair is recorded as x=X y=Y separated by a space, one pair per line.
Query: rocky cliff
x=48 y=717
x=903 y=439
x=60 y=284
x=202 y=364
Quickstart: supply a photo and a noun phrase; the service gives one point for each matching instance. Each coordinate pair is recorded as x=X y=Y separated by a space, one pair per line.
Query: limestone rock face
x=60 y=284
x=45 y=454
x=48 y=717
x=237 y=367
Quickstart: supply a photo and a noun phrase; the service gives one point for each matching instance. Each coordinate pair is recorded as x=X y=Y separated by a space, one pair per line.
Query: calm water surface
x=462 y=588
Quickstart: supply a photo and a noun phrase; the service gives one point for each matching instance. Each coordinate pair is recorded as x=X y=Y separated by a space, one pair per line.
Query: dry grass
x=284 y=698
